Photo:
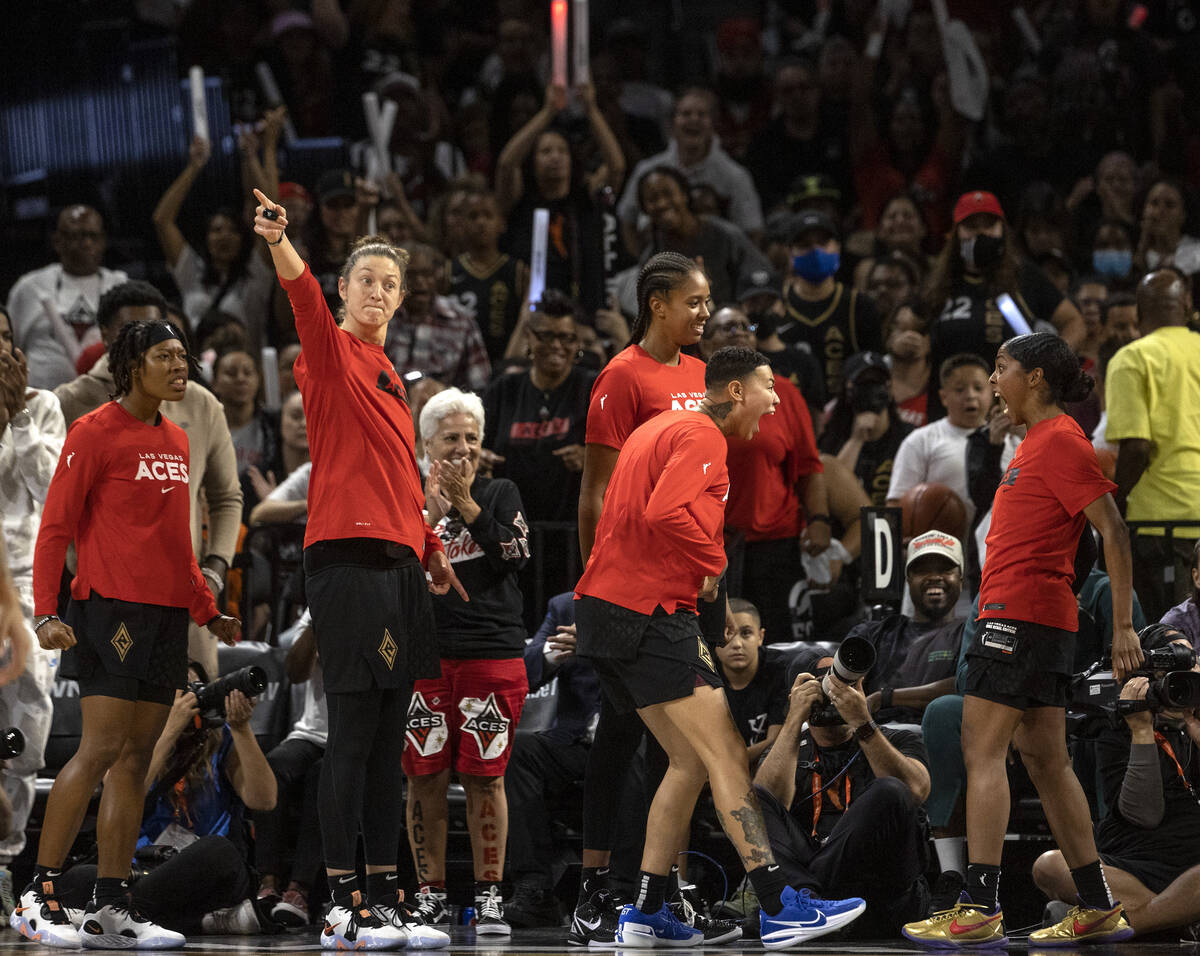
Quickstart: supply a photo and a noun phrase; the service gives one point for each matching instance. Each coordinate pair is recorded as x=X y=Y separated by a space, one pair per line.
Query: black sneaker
x=489 y=914
x=594 y=922
x=431 y=905
x=532 y=906
x=716 y=931
x=946 y=891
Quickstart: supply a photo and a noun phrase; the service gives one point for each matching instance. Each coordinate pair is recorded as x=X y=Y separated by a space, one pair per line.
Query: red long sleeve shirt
x=661 y=530
x=120 y=492
x=364 y=482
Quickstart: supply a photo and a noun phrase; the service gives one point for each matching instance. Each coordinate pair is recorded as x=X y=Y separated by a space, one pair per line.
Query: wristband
x=214 y=577
x=885 y=698
x=866 y=731
x=277 y=241
x=44 y=619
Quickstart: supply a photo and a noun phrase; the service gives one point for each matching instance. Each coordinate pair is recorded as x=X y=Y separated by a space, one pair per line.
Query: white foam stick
x=383 y=133
x=199 y=105
x=1032 y=40
x=582 y=58
x=374 y=162
x=537 y=256
x=270 y=367
x=558 y=41
x=266 y=80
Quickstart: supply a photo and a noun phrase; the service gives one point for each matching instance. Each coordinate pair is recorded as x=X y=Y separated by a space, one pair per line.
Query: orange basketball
x=930 y=506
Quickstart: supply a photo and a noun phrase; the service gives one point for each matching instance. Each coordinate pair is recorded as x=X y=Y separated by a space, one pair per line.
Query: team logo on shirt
x=1010 y=477
x=487 y=724
x=161 y=466
x=705 y=656
x=121 y=641
x=758 y=727
x=394 y=388
x=686 y=401
x=426 y=729
x=387 y=649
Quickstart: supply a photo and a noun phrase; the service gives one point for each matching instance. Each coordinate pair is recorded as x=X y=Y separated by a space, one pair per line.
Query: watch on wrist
x=866 y=731
x=43 y=619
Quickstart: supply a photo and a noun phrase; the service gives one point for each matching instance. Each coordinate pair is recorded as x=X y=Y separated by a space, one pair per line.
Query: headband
x=163 y=331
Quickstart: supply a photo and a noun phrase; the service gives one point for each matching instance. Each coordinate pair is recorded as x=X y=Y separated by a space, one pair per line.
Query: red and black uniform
x=765 y=509
x=121 y=494
x=1029 y=613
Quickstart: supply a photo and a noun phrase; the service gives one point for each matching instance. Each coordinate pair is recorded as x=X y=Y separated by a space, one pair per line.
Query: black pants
x=767 y=572
x=876 y=851
x=294 y=823
x=542 y=782
x=208 y=875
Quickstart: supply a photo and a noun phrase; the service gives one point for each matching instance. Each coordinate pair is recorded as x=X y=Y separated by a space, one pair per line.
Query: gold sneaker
x=964 y=924
x=1084 y=925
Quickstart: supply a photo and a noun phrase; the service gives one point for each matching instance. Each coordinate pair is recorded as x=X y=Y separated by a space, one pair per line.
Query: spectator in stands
x=1119 y=317
x=1149 y=381
x=31 y=438
x=1040 y=225
x=892 y=279
x=841 y=803
x=206 y=772
x=538 y=168
x=214 y=489
x=432 y=336
x=229 y=275
x=731 y=262
x=292 y=825
x=547 y=767
x=906 y=337
x=638 y=135
x=755 y=687
x=1106 y=195
x=287 y=362
x=901 y=229
x=1088 y=293
x=1185 y=616
x=834 y=320
x=288 y=501
x=696 y=153
x=1110 y=252
x=237 y=383
x=799 y=138
x=1147 y=840
x=52 y=310
x=794 y=361
x=742 y=89
x=488 y=285
x=464 y=721
x=298 y=55
x=864 y=429
x=778 y=505
x=300 y=204
x=976 y=278
x=330 y=233
x=1165 y=215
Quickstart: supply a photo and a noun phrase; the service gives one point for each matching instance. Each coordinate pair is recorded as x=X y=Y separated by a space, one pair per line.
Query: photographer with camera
x=1149 y=841
x=841 y=796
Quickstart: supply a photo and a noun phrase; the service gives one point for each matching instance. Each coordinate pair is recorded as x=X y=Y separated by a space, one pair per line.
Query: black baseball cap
x=813 y=221
x=335 y=183
x=862 y=362
x=812 y=186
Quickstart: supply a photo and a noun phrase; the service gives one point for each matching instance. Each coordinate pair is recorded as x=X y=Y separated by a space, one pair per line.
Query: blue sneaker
x=805 y=917
x=636 y=930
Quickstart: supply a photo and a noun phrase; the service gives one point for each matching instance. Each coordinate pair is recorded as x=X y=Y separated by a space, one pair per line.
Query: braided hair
x=662 y=273
x=1065 y=378
x=127 y=352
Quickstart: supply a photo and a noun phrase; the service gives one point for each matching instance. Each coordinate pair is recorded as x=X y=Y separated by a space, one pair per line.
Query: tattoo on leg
x=748 y=816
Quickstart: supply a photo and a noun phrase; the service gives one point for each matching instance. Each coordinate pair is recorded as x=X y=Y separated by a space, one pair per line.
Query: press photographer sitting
x=1149 y=841
x=841 y=798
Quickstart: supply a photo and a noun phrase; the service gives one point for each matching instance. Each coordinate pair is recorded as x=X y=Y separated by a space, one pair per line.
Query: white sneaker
x=406 y=917
x=240 y=920
x=41 y=917
x=359 y=927
x=489 y=914
x=120 y=926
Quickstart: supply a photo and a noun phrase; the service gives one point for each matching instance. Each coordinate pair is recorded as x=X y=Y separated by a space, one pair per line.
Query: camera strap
x=821 y=790
x=1165 y=746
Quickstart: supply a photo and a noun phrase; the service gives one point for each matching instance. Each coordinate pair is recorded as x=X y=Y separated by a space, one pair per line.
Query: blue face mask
x=816 y=265
x=1112 y=262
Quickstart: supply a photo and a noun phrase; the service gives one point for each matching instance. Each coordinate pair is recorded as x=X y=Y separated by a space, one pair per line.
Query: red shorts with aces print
x=465 y=719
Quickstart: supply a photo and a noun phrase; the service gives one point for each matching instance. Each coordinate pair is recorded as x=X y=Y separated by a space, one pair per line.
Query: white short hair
x=450 y=401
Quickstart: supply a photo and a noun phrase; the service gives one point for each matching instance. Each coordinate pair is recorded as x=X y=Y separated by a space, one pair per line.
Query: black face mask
x=764 y=323
x=870 y=398
x=982 y=252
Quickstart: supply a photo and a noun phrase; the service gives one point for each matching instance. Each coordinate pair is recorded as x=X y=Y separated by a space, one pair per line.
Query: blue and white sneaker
x=806 y=917
x=637 y=930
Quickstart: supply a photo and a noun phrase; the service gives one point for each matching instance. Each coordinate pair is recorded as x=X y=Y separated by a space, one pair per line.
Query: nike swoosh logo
x=165 y=490
x=595 y=924
x=801 y=924
x=958 y=929
x=1081 y=928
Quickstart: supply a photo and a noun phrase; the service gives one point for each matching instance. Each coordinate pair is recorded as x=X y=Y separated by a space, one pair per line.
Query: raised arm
x=509 y=183
x=167 y=211
x=610 y=149
x=270 y=222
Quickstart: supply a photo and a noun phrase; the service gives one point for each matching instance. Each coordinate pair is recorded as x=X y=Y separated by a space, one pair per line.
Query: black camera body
x=12 y=743
x=210 y=697
x=1095 y=693
x=854 y=659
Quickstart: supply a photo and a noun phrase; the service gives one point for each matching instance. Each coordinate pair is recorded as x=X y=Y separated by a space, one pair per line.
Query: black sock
x=382 y=887
x=109 y=889
x=672 y=890
x=768 y=883
x=1092 y=887
x=342 y=888
x=652 y=892
x=983 y=884
x=45 y=874
x=592 y=880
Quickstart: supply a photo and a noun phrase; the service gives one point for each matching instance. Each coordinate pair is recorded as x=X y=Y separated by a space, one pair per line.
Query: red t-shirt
x=1037 y=518
x=876 y=181
x=763 y=472
x=660 y=533
x=120 y=492
x=364 y=481
x=915 y=410
x=634 y=387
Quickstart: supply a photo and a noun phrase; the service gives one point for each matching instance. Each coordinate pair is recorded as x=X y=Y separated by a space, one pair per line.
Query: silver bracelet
x=214 y=577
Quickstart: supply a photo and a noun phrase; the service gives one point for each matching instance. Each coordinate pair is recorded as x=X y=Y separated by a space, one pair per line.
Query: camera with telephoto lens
x=12 y=743
x=853 y=661
x=1096 y=695
x=210 y=697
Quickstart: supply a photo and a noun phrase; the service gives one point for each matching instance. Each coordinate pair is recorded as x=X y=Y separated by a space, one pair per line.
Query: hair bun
x=1080 y=389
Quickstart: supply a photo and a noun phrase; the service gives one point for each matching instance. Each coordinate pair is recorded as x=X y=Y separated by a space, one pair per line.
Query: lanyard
x=820 y=790
x=1165 y=746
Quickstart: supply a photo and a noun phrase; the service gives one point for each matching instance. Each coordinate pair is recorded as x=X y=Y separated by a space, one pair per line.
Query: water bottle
x=468 y=916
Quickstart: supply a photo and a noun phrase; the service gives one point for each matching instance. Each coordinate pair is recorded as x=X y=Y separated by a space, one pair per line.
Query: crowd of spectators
x=878 y=199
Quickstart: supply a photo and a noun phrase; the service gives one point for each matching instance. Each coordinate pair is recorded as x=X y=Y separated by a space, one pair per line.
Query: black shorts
x=1020 y=664
x=712 y=616
x=372 y=616
x=672 y=660
x=127 y=650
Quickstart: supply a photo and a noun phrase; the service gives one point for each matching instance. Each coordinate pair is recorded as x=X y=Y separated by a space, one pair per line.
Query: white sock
x=951 y=854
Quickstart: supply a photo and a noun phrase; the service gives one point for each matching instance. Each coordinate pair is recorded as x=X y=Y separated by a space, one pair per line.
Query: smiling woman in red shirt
x=367 y=548
x=120 y=493
x=1019 y=666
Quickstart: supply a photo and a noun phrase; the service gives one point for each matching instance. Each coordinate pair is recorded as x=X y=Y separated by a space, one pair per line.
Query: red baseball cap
x=970 y=203
x=289 y=190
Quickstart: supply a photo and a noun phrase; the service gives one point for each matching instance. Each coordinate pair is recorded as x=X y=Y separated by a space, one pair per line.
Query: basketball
x=933 y=507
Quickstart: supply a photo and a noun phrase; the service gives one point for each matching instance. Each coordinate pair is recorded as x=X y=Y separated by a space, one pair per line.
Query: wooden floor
x=552 y=941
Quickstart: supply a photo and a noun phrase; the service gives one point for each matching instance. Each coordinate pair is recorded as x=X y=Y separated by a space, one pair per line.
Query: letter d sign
x=882 y=562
